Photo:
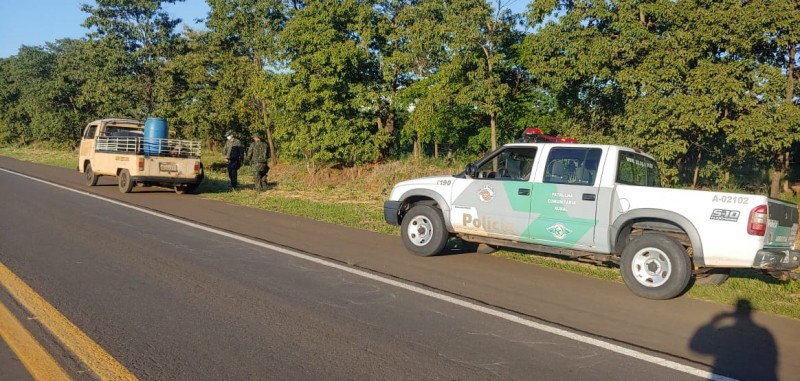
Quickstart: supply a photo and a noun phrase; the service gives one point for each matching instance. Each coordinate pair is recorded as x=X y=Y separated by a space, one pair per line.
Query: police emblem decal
x=486 y=194
x=559 y=231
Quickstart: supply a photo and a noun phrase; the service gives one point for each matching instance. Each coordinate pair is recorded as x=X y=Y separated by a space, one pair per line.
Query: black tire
x=423 y=231
x=485 y=249
x=125 y=183
x=713 y=277
x=186 y=188
x=655 y=266
x=91 y=177
x=202 y=175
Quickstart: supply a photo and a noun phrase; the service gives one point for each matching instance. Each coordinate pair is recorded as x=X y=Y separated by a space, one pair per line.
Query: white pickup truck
x=118 y=147
x=603 y=203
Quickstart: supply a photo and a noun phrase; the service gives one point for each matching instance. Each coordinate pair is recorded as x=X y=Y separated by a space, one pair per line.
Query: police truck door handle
x=589 y=197
x=524 y=192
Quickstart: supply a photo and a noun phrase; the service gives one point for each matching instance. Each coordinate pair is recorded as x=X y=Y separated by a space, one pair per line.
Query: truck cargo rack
x=149 y=146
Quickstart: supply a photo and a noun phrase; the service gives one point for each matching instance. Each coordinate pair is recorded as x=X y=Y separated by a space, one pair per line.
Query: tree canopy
x=710 y=88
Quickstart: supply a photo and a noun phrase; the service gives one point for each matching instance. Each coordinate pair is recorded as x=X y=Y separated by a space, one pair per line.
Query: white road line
x=419 y=290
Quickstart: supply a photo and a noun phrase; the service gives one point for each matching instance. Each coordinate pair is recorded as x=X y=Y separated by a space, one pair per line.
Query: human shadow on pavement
x=742 y=349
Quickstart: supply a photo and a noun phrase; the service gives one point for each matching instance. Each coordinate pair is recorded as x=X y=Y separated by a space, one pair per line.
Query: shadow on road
x=741 y=348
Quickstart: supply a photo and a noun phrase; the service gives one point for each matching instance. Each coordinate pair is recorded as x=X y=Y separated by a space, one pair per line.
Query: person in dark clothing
x=234 y=154
x=257 y=155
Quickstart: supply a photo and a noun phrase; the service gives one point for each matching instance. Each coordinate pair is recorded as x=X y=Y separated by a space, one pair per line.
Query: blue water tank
x=154 y=129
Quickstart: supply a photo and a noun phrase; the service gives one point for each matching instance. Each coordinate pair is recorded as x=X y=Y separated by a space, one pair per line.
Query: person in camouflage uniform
x=257 y=155
x=234 y=152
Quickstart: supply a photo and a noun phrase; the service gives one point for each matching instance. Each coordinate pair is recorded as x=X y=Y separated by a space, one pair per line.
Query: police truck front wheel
x=655 y=266
x=423 y=231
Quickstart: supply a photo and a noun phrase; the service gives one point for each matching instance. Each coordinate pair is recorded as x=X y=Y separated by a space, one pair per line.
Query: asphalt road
x=239 y=293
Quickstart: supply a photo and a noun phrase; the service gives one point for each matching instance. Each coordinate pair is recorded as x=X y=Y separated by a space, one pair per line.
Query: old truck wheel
x=655 y=266
x=125 y=183
x=423 y=231
x=91 y=177
x=186 y=188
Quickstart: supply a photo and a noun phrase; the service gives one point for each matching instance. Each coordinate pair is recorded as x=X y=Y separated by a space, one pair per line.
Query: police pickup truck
x=118 y=147
x=603 y=203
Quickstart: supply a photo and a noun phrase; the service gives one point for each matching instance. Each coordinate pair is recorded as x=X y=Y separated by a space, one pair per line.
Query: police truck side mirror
x=471 y=170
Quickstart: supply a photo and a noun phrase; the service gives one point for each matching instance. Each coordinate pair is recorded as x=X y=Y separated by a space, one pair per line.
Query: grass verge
x=354 y=197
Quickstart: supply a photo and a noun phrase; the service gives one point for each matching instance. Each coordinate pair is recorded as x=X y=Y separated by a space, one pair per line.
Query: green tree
x=11 y=116
x=249 y=29
x=779 y=49
x=483 y=38
x=106 y=87
x=144 y=31
x=330 y=66
x=220 y=82
x=437 y=117
x=200 y=65
x=684 y=80
x=420 y=51
x=68 y=84
x=41 y=101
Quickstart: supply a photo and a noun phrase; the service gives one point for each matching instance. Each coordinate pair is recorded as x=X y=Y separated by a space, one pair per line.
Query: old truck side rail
x=149 y=146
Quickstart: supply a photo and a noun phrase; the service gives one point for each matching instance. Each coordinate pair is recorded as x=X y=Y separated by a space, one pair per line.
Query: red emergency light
x=532 y=134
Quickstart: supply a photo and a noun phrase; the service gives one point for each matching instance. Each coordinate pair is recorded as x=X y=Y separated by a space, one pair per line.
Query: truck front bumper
x=776 y=259
x=391 y=211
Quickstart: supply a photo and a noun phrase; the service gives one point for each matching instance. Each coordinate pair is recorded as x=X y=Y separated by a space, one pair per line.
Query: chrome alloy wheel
x=420 y=230
x=651 y=267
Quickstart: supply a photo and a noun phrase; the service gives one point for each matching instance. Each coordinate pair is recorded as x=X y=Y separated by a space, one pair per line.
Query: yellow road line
x=36 y=360
x=90 y=354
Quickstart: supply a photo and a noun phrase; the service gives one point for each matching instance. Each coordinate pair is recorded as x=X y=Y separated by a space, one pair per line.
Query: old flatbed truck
x=118 y=147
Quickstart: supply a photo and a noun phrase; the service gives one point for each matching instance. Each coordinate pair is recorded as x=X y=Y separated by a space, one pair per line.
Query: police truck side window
x=512 y=163
x=567 y=165
x=634 y=169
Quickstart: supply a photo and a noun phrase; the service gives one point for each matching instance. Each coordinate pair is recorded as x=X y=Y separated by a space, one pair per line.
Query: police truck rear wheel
x=125 y=183
x=485 y=249
x=423 y=231
x=655 y=266
x=91 y=177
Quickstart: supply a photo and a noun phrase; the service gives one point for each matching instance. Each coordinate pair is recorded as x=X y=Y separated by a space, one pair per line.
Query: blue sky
x=35 y=22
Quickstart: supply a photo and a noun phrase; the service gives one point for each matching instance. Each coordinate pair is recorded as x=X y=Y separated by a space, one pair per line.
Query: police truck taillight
x=757 y=224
